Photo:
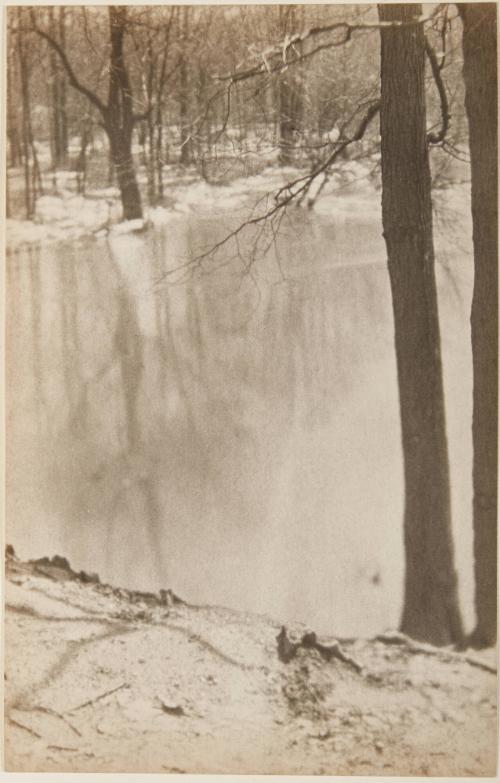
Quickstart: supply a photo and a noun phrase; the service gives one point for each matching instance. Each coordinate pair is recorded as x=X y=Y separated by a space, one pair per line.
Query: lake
x=234 y=433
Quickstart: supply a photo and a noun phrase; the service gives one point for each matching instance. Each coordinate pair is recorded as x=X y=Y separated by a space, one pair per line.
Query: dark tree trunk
x=159 y=152
x=431 y=610
x=81 y=163
x=63 y=117
x=480 y=75
x=13 y=135
x=59 y=140
x=27 y=142
x=119 y=117
x=117 y=114
x=286 y=122
x=125 y=174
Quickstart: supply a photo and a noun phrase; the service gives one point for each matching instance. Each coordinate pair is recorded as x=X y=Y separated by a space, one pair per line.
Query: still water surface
x=234 y=436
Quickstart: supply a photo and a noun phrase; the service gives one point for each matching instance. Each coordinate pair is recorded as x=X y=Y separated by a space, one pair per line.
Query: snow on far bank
x=350 y=193
x=69 y=216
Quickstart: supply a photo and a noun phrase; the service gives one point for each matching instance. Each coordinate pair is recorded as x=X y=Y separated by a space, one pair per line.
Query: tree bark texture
x=431 y=610
x=480 y=76
x=119 y=117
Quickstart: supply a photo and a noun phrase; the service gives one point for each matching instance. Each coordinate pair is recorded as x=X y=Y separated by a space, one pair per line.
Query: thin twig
x=98 y=698
x=26 y=728
x=281 y=200
x=50 y=711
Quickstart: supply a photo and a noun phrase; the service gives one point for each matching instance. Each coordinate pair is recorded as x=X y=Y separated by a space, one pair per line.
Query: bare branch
x=92 y=97
x=279 y=50
x=282 y=198
x=437 y=138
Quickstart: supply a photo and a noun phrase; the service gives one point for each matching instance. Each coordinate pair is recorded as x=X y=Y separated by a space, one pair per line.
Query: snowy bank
x=100 y=679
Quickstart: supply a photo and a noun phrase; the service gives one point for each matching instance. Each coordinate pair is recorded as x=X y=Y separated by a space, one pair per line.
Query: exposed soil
x=103 y=679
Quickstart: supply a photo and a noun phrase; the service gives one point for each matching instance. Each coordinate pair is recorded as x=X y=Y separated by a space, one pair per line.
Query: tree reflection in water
x=235 y=439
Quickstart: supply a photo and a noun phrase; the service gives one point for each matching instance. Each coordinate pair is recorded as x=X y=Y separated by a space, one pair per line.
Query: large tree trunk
x=431 y=610
x=121 y=153
x=480 y=75
x=117 y=114
x=120 y=118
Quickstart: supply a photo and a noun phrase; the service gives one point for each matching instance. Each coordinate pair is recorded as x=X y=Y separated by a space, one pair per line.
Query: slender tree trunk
x=81 y=163
x=286 y=124
x=63 y=118
x=290 y=102
x=480 y=75
x=286 y=121
x=186 y=155
x=29 y=191
x=59 y=132
x=159 y=152
x=431 y=610
x=55 y=137
x=13 y=134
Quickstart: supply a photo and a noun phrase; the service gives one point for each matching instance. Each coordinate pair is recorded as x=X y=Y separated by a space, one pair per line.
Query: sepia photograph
x=251 y=389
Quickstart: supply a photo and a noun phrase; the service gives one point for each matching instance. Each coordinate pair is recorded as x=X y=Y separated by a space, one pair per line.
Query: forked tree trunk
x=431 y=610
x=117 y=114
x=480 y=75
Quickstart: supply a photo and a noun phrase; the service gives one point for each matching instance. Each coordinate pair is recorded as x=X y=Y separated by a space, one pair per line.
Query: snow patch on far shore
x=67 y=216
x=349 y=193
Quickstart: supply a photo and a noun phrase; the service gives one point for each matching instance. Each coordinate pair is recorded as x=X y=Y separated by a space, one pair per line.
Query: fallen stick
x=26 y=728
x=98 y=698
x=418 y=648
x=50 y=711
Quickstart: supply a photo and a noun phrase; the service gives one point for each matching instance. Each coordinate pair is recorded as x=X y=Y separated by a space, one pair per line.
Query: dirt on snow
x=101 y=679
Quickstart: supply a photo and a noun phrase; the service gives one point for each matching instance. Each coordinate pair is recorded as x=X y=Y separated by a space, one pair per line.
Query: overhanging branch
x=283 y=197
x=72 y=78
x=280 y=49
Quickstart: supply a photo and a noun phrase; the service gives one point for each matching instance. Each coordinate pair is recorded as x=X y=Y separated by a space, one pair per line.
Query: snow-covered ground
x=99 y=679
x=65 y=214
